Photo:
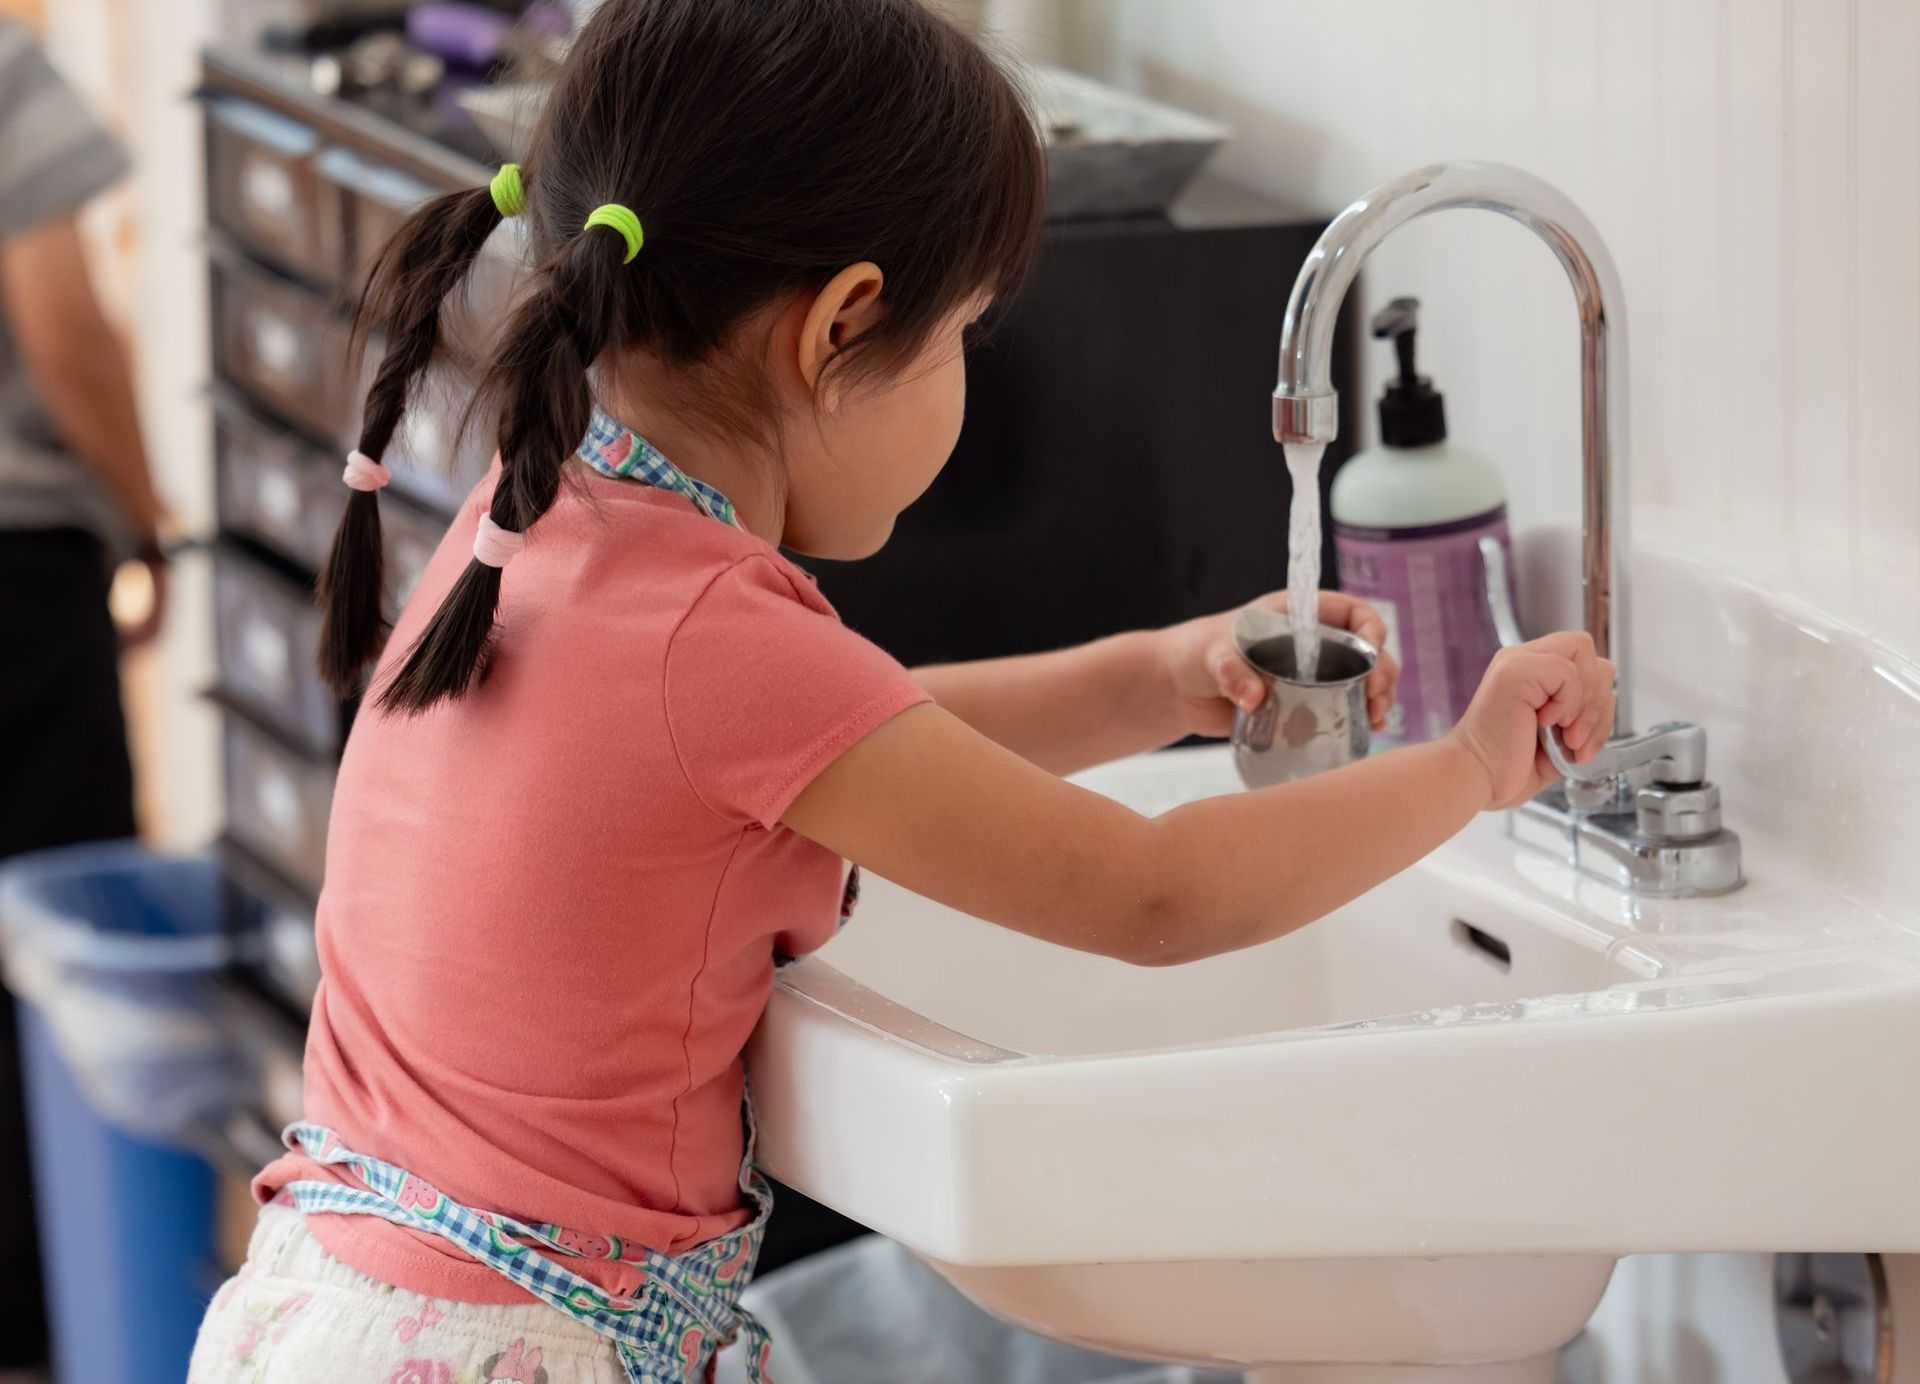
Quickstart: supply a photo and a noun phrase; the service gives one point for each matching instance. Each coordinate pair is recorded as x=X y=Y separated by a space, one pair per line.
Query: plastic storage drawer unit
x=411 y=538
x=264 y=190
x=277 y=802
x=281 y=345
x=279 y=926
x=266 y=632
x=435 y=459
x=375 y=199
x=275 y=488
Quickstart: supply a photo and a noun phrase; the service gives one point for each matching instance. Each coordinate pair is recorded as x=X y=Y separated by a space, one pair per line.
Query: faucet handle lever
x=1673 y=753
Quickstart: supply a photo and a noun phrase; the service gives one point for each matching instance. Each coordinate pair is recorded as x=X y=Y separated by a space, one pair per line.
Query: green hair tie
x=509 y=195
x=622 y=220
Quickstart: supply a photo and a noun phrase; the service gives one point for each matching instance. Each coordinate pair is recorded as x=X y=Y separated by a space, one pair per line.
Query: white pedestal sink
x=1408 y=1142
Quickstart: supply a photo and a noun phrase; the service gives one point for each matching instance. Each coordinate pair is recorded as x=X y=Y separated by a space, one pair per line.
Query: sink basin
x=1409 y=1141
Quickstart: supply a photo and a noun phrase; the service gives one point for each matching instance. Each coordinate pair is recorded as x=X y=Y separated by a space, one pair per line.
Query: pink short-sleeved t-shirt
x=553 y=909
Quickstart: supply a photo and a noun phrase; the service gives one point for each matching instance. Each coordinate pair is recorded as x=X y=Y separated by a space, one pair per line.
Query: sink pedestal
x=1346 y=1315
x=1540 y=1369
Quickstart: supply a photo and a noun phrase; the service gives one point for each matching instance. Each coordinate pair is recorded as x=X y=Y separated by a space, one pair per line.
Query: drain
x=1484 y=942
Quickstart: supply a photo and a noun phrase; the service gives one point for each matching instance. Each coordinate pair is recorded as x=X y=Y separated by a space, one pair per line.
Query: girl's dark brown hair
x=765 y=145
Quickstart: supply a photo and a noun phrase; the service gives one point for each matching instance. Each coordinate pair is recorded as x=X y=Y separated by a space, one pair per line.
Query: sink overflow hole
x=1489 y=946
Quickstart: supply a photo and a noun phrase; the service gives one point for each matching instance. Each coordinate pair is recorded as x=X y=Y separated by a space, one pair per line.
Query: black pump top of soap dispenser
x=1412 y=413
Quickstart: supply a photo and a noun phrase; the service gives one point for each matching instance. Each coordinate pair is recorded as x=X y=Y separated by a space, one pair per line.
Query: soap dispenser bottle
x=1408 y=518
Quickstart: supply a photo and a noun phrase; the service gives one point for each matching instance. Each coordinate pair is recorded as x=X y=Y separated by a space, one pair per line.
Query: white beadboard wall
x=1753 y=164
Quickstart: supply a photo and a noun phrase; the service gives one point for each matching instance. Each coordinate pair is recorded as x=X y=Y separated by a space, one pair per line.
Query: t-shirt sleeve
x=54 y=156
x=765 y=688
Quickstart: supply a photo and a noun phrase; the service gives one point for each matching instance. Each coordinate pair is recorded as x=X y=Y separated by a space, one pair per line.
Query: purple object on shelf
x=549 y=19
x=446 y=98
x=464 y=35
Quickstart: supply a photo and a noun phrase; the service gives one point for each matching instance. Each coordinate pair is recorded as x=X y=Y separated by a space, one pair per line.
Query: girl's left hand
x=1211 y=680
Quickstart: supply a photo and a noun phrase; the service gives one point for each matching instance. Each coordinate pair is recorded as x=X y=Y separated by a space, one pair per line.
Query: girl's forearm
x=1066 y=710
x=1244 y=869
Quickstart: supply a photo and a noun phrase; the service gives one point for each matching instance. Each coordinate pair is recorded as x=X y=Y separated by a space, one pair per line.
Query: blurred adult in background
x=76 y=499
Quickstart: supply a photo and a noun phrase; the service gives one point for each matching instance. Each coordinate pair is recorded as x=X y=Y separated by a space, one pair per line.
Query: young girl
x=618 y=749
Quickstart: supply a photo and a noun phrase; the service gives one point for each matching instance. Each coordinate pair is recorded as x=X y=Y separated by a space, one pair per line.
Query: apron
x=688 y=1307
x=669 y=1332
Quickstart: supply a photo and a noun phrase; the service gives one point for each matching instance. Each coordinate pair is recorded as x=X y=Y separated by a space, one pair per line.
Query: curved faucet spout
x=1306 y=407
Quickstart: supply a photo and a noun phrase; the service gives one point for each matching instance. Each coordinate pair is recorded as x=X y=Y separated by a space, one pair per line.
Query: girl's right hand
x=1556 y=681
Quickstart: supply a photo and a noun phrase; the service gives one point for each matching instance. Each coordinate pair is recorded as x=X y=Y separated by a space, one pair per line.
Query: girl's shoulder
x=770 y=571
x=764 y=686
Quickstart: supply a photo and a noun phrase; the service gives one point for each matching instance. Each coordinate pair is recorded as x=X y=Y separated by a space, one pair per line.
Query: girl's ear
x=848 y=305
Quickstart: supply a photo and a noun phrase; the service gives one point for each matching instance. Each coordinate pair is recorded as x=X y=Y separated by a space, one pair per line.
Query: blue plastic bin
x=107 y=948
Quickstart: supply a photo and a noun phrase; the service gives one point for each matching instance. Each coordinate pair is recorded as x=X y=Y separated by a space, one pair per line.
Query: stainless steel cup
x=1301 y=728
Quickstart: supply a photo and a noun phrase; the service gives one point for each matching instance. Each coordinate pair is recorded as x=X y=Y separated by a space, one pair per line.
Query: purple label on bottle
x=1430 y=588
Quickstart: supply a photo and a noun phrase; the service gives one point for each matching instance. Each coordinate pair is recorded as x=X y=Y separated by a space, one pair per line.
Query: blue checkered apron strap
x=613 y=449
x=686 y=1310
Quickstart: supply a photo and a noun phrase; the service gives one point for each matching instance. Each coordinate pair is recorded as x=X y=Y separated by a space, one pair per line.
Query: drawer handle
x=279 y=801
x=275 y=344
x=290 y=944
x=266 y=190
x=267 y=654
x=279 y=497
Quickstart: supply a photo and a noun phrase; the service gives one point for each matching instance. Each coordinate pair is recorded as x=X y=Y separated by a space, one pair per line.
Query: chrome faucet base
x=1611 y=847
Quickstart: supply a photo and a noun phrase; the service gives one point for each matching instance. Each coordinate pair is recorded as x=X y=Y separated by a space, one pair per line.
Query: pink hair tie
x=364 y=473
x=494 y=546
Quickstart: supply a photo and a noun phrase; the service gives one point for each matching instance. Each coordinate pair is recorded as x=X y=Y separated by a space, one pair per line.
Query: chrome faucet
x=1642 y=815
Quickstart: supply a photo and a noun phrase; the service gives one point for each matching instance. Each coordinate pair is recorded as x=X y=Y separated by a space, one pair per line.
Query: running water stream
x=1303 y=557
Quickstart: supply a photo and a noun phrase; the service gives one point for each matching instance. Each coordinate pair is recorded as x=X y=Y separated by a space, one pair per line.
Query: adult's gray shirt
x=54 y=158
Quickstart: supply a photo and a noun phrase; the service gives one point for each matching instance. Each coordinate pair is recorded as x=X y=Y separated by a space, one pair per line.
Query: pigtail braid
x=427 y=259
x=537 y=386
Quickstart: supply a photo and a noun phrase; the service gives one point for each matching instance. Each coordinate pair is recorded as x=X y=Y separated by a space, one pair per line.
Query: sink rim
x=1029 y=1157
x=1590 y=1136
x=1644 y=950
